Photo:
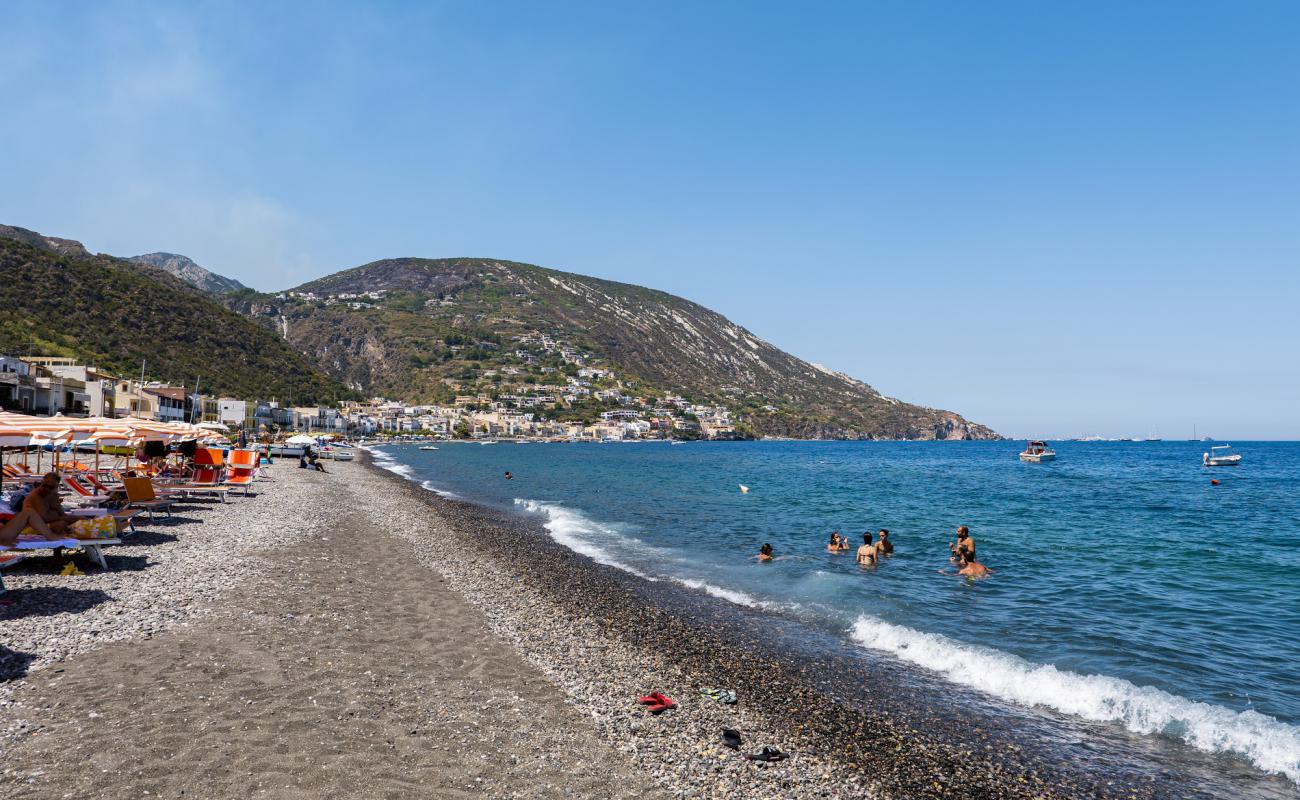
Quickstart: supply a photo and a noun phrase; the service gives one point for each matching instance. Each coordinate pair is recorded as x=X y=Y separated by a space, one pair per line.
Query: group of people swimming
x=872 y=552
x=869 y=552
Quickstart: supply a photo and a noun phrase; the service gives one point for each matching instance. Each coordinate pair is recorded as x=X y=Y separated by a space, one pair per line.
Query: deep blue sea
x=1127 y=588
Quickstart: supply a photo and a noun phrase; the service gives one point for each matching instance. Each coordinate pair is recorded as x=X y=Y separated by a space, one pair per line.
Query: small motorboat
x=1037 y=452
x=428 y=447
x=1221 y=455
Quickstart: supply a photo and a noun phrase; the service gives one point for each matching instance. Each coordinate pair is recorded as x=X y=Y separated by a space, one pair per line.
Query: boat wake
x=1269 y=744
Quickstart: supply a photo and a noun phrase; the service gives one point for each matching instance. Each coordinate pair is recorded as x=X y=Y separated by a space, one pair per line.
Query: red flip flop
x=657 y=702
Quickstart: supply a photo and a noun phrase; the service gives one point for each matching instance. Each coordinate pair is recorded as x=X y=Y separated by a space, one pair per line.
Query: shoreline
x=900 y=744
x=477 y=653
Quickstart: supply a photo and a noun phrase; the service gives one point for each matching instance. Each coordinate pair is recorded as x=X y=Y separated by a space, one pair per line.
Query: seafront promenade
x=349 y=634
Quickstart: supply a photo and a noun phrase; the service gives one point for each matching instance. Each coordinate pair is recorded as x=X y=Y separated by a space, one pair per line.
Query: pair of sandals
x=721 y=695
x=657 y=702
x=731 y=738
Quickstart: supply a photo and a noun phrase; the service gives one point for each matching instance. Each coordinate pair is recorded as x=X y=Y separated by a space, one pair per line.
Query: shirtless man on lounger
x=44 y=500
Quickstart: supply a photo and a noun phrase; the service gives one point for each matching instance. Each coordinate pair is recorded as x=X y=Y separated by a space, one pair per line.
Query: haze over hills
x=202 y=279
x=426 y=330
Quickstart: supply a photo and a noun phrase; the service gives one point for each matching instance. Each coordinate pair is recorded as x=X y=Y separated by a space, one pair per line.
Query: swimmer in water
x=834 y=546
x=509 y=476
x=964 y=542
x=884 y=547
x=867 y=552
x=971 y=568
x=764 y=553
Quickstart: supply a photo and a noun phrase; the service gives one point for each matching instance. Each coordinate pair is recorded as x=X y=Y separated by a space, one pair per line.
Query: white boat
x=1222 y=458
x=428 y=447
x=1037 y=452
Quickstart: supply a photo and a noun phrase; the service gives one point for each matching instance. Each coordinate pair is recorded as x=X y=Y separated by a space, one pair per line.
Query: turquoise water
x=1127 y=588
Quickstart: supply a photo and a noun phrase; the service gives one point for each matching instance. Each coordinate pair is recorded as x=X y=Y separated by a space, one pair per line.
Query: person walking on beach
x=884 y=547
x=867 y=552
x=764 y=553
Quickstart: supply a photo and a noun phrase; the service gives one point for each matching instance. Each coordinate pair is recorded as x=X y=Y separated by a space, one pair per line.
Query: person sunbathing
x=20 y=522
x=44 y=500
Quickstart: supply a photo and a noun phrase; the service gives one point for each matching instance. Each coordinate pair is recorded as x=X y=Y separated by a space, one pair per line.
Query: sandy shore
x=352 y=635
x=285 y=648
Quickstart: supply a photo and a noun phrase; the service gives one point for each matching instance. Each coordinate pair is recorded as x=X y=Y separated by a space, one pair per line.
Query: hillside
x=202 y=279
x=56 y=299
x=421 y=329
x=63 y=247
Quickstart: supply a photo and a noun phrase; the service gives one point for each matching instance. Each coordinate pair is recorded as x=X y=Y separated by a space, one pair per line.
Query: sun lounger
x=243 y=469
x=83 y=493
x=242 y=478
x=140 y=494
x=92 y=547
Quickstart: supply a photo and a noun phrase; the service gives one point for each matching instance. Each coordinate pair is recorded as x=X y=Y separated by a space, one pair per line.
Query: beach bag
x=95 y=528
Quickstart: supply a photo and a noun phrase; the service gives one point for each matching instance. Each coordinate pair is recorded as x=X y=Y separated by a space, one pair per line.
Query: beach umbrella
x=301 y=438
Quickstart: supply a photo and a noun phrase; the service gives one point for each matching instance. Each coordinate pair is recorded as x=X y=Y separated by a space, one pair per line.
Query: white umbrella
x=213 y=426
x=301 y=438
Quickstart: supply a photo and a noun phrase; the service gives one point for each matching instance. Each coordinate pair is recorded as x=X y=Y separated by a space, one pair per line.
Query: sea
x=1128 y=587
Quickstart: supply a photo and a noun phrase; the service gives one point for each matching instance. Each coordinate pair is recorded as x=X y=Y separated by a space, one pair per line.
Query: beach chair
x=243 y=469
x=84 y=494
x=140 y=494
x=206 y=482
x=99 y=485
x=93 y=548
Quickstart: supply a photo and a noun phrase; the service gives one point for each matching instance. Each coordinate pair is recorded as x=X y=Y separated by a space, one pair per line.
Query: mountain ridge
x=425 y=330
x=201 y=278
x=59 y=300
x=667 y=342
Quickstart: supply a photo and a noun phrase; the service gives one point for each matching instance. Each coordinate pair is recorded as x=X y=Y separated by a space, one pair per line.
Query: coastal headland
x=353 y=635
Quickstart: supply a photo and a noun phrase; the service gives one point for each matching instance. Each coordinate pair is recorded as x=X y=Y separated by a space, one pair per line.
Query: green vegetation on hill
x=112 y=314
x=397 y=340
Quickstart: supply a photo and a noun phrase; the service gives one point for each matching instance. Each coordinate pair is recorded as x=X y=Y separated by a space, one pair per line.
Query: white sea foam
x=1269 y=744
x=578 y=533
x=730 y=595
x=429 y=487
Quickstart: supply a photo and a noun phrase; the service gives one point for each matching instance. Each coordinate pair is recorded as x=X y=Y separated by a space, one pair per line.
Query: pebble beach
x=350 y=634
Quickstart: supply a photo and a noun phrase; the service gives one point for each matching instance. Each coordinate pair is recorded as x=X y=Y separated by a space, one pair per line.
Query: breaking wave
x=1271 y=745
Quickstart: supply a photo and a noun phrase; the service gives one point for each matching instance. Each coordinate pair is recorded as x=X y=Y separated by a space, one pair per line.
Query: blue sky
x=1055 y=218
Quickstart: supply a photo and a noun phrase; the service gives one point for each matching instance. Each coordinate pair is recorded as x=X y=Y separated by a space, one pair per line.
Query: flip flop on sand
x=657 y=702
x=768 y=754
x=721 y=695
x=731 y=738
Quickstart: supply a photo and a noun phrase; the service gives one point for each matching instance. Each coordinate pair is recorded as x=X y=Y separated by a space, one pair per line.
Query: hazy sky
x=1055 y=218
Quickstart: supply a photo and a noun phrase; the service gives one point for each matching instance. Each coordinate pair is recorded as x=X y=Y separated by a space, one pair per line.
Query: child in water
x=764 y=553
